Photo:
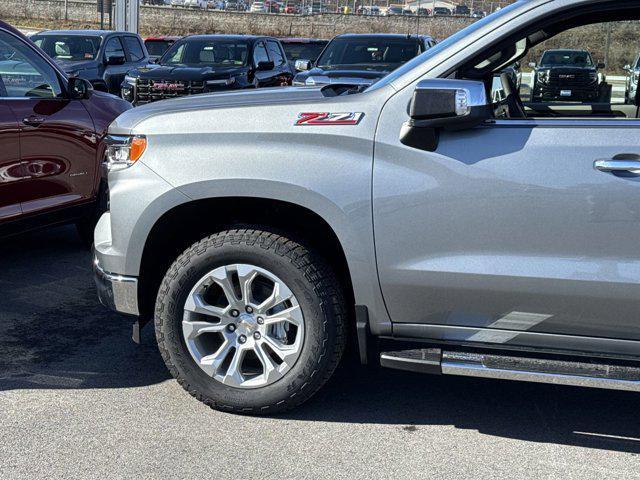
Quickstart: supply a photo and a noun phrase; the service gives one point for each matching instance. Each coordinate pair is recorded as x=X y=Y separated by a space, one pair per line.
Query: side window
x=113 y=48
x=136 y=53
x=275 y=53
x=260 y=54
x=23 y=73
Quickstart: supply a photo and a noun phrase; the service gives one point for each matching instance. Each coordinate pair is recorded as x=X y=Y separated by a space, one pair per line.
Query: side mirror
x=265 y=66
x=79 y=88
x=303 y=65
x=627 y=67
x=516 y=66
x=443 y=104
x=116 y=60
x=533 y=64
x=600 y=66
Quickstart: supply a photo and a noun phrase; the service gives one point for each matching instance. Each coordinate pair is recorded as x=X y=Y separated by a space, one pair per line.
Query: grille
x=152 y=90
x=569 y=79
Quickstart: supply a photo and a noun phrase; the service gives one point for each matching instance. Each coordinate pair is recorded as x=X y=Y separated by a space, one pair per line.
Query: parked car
x=101 y=56
x=302 y=48
x=394 y=10
x=368 y=10
x=441 y=12
x=462 y=10
x=478 y=14
x=360 y=59
x=209 y=63
x=177 y=3
x=564 y=74
x=195 y=4
x=157 y=46
x=258 y=7
x=234 y=6
x=631 y=81
x=51 y=132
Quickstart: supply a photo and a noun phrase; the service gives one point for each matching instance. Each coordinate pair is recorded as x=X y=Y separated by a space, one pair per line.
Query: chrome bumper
x=116 y=292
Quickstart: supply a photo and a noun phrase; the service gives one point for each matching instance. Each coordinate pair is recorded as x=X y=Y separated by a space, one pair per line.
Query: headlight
x=593 y=76
x=634 y=77
x=543 y=76
x=124 y=150
x=129 y=79
x=223 y=82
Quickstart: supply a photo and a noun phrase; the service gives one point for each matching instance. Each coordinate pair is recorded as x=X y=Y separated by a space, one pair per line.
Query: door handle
x=33 y=120
x=619 y=163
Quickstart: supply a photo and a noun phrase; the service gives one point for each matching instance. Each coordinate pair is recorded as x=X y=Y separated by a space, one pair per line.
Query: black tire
x=310 y=279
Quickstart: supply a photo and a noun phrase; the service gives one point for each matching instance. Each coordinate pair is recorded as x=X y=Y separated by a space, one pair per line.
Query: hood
x=69 y=66
x=161 y=72
x=321 y=76
x=126 y=122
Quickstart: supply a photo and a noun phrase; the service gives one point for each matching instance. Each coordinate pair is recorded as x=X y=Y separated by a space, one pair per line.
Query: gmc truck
x=408 y=218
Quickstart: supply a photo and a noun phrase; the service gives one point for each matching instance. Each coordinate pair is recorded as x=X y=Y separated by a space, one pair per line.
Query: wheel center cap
x=247 y=323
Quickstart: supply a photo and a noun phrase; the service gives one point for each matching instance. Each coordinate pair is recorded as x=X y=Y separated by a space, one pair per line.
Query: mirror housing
x=600 y=66
x=533 y=64
x=627 y=67
x=116 y=60
x=79 y=88
x=443 y=104
x=265 y=66
x=303 y=65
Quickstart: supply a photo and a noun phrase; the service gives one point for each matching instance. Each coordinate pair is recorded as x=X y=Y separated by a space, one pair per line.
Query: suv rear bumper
x=117 y=292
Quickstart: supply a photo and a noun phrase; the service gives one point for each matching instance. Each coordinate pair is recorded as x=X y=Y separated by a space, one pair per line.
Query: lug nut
x=256 y=335
x=235 y=313
x=242 y=339
x=249 y=309
x=232 y=327
x=260 y=320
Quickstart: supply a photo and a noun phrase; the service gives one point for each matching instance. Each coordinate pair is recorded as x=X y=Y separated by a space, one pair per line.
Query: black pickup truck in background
x=209 y=63
x=569 y=75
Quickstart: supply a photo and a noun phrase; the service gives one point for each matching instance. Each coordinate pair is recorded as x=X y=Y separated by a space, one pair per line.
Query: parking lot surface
x=79 y=400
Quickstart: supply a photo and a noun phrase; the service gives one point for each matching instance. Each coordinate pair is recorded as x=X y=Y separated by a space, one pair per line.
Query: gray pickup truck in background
x=263 y=230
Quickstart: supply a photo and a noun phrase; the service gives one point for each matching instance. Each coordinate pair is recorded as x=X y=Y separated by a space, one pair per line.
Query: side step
x=558 y=372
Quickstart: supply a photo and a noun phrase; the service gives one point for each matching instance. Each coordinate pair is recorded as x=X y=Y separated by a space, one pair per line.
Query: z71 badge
x=328 y=118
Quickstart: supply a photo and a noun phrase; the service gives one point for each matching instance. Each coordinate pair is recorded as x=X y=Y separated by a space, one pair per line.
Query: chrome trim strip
x=476 y=370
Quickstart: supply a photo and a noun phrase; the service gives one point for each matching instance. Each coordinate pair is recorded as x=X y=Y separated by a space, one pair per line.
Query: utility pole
x=66 y=9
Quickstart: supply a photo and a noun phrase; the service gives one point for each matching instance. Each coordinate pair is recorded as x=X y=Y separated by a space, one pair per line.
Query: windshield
x=566 y=58
x=71 y=48
x=372 y=53
x=156 y=48
x=199 y=53
x=302 y=51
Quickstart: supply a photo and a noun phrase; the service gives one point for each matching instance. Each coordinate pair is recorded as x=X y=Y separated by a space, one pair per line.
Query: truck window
x=275 y=53
x=136 y=53
x=23 y=74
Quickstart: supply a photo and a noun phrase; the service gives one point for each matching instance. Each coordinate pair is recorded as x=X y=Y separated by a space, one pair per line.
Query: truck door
x=508 y=228
x=56 y=139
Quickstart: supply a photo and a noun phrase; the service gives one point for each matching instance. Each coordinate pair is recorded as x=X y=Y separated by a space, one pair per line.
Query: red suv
x=51 y=132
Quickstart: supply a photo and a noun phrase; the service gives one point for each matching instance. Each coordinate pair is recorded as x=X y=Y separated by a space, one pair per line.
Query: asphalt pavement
x=79 y=400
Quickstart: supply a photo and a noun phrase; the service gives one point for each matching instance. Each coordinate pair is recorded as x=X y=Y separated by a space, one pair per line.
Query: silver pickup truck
x=262 y=231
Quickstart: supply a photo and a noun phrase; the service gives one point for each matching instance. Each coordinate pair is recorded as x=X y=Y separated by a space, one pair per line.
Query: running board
x=558 y=372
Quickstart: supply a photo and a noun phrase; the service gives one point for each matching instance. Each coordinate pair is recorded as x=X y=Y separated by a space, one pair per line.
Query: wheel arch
x=163 y=245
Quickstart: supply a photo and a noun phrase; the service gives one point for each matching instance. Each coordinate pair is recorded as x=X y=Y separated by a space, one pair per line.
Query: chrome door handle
x=613 y=165
x=33 y=120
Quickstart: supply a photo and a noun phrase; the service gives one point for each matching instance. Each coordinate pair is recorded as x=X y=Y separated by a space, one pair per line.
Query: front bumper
x=582 y=93
x=117 y=292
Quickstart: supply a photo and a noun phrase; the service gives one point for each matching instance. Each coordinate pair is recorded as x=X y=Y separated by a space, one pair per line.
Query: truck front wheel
x=250 y=321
